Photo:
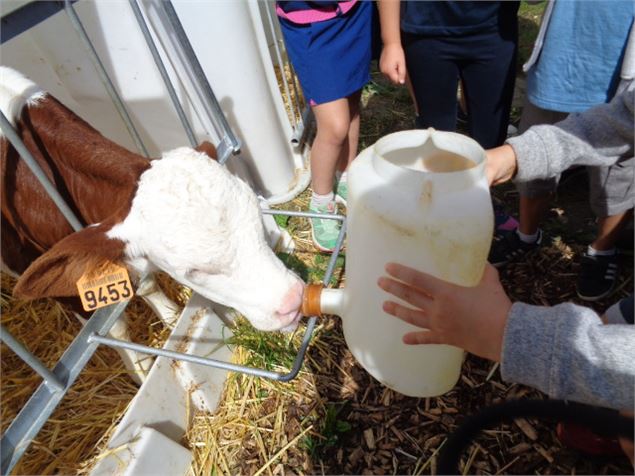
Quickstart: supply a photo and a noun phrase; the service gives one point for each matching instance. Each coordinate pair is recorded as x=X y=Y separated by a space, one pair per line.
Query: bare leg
x=333 y=124
x=349 y=151
x=531 y=212
x=609 y=229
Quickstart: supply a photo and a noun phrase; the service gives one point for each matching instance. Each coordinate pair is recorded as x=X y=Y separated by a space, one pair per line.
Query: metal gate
x=57 y=381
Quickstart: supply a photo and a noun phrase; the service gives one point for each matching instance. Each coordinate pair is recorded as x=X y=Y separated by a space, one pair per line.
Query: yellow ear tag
x=107 y=285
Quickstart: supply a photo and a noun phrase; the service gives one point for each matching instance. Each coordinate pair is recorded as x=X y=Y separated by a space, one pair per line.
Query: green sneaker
x=324 y=231
x=341 y=193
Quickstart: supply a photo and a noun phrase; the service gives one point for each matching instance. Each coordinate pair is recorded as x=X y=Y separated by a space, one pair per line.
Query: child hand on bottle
x=500 y=165
x=472 y=318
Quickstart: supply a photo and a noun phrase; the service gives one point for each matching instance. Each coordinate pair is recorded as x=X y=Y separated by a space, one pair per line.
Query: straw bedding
x=97 y=400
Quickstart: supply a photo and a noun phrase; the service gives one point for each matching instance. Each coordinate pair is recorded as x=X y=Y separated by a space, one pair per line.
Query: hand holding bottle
x=472 y=318
x=501 y=164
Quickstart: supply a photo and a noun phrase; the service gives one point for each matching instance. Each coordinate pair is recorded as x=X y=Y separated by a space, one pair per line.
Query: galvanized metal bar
x=163 y=71
x=170 y=354
x=296 y=92
x=299 y=360
x=26 y=425
x=281 y=64
x=31 y=360
x=333 y=261
x=210 y=103
x=269 y=211
x=103 y=75
x=11 y=134
x=225 y=149
x=299 y=135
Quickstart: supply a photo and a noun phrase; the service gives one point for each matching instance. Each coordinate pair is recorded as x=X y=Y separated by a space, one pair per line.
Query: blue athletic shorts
x=332 y=57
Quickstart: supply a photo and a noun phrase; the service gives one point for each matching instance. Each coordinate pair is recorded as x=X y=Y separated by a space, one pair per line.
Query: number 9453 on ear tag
x=106 y=285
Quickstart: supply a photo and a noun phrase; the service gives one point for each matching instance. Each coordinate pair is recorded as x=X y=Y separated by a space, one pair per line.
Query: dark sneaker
x=508 y=246
x=598 y=276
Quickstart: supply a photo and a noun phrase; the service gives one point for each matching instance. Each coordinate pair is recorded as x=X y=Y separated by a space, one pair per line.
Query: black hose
x=603 y=421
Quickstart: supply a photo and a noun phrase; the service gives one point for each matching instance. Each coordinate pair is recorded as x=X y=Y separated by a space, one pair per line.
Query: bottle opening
x=439 y=161
x=430 y=151
x=311 y=300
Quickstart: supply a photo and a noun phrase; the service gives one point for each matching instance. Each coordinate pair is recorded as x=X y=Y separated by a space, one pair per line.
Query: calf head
x=193 y=220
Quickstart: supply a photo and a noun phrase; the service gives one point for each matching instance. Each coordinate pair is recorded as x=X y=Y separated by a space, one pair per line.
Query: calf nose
x=292 y=301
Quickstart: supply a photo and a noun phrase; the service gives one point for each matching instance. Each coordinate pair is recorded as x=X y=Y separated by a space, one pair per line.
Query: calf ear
x=207 y=148
x=55 y=273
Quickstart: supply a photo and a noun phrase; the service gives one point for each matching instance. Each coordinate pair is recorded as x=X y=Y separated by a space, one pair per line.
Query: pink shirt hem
x=302 y=17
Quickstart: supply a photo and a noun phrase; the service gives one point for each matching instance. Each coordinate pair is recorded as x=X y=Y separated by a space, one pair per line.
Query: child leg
x=333 y=124
x=331 y=141
x=433 y=73
x=488 y=81
x=349 y=151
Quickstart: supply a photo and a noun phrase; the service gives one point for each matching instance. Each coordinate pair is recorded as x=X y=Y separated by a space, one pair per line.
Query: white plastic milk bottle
x=419 y=198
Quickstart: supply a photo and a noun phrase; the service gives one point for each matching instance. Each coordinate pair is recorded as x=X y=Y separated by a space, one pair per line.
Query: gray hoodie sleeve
x=566 y=352
x=601 y=135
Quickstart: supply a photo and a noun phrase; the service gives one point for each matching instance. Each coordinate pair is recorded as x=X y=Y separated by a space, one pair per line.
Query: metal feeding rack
x=56 y=382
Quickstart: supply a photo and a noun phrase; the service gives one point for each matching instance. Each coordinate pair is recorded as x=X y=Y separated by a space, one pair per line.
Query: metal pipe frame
x=229 y=143
x=281 y=64
x=299 y=126
x=27 y=424
x=299 y=136
x=32 y=361
x=37 y=410
x=163 y=71
x=11 y=134
x=103 y=75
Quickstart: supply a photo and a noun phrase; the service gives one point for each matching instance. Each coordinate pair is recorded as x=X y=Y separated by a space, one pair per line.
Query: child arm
x=392 y=61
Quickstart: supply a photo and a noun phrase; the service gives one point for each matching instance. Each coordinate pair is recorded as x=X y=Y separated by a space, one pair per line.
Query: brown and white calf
x=183 y=214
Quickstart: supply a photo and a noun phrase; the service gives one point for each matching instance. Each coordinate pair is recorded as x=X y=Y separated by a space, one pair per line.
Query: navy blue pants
x=486 y=64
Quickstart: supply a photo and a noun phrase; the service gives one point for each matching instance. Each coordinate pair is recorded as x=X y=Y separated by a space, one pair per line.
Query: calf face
x=194 y=220
x=198 y=223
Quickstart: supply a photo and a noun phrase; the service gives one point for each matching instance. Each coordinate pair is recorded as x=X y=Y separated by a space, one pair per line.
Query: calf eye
x=199 y=274
x=194 y=275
